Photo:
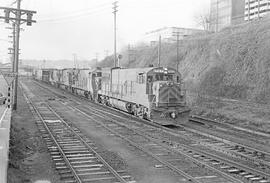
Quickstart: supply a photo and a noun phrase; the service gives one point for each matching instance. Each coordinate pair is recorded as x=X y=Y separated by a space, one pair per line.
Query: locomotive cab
x=166 y=94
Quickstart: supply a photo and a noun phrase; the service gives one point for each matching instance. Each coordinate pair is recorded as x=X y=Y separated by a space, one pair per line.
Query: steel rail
x=118 y=177
x=203 y=134
x=153 y=123
x=149 y=138
x=89 y=147
x=229 y=142
x=188 y=147
x=267 y=153
x=168 y=148
x=55 y=141
x=194 y=131
x=196 y=118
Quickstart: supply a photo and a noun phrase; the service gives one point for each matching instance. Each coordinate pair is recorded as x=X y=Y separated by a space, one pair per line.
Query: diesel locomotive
x=152 y=93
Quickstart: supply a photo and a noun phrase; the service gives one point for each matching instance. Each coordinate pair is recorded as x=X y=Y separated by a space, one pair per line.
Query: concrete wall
x=5 y=117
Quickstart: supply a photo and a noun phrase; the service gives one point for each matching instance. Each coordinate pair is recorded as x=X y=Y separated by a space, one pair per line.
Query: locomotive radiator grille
x=169 y=95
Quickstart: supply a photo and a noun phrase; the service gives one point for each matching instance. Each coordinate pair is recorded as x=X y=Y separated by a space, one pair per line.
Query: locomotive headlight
x=173 y=115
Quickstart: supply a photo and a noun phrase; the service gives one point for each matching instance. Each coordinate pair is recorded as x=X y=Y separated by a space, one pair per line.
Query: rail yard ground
x=241 y=113
x=29 y=158
x=26 y=158
x=31 y=161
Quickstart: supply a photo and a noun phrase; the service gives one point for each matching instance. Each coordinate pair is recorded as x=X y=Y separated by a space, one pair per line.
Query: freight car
x=43 y=74
x=152 y=93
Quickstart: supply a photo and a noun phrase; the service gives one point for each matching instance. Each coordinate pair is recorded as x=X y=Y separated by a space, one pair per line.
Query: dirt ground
x=241 y=113
x=29 y=160
x=117 y=152
x=139 y=165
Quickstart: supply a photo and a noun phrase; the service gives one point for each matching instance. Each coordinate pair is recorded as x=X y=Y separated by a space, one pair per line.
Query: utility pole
x=75 y=60
x=106 y=53
x=18 y=23
x=159 y=50
x=116 y=64
x=131 y=54
x=177 y=34
x=44 y=64
x=217 y=16
x=17 y=20
x=12 y=50
x=14 y=46
x=96 y=59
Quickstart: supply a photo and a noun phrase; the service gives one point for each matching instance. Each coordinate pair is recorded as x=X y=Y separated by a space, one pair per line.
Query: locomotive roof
x=147 y=69
x=142 y=69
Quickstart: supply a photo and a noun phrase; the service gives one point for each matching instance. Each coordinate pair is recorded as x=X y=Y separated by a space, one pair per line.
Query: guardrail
x=5 y=118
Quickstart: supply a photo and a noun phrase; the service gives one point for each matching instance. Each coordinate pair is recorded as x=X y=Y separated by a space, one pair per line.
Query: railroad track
x=225 y=166
x=229 y=131
x=214 y=162
x=210 y=122
x=235 y=149
x=244 y=152
x=187 y=170
x=75 y=156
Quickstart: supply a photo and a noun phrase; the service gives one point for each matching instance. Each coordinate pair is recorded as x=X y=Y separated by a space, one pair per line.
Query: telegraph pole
x=96 y=59
x=75 y=60
x=17 y=20
x=217 y=16
x=159 y=50
x=18 y=23
x=177 y=34
x=114 y=12
x=131 y=54
x=106 y=53
x=12 y=53
x=12 y=50
x=14 y=46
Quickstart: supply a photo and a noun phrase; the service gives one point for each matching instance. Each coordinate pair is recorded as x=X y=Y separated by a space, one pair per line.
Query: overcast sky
x=85 y=27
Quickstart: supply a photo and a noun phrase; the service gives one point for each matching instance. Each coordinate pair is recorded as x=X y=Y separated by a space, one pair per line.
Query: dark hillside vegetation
x=234 y=63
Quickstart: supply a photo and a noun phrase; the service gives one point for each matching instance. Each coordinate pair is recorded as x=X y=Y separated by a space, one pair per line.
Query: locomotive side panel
x=129 y=85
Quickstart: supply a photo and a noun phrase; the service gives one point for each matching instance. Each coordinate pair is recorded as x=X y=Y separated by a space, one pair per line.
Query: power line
x=78 y=13
x=64 y=19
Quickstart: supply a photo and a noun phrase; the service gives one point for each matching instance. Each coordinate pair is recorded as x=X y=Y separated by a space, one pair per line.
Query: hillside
x=234 y=63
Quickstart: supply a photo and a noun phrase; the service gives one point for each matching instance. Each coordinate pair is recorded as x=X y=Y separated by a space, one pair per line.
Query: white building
x=168 y=34
x=256 y=9
x=224 y=13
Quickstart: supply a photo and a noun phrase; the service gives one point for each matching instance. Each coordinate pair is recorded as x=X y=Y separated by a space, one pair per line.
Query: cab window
x=141 y=78
x=99 y=74
x=159 y=77
x=163 y=77
x=149 y=79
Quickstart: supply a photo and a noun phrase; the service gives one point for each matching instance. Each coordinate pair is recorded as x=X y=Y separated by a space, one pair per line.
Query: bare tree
x=203 y=20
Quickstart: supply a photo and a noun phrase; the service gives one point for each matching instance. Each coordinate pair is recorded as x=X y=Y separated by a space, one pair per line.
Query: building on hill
x=168 y=34
x=224 y=13
x=256 y=9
